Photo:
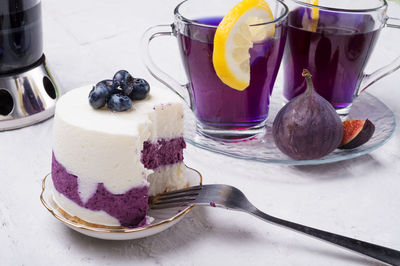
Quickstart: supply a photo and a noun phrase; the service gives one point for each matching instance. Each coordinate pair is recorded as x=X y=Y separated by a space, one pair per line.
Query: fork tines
x=182 y=197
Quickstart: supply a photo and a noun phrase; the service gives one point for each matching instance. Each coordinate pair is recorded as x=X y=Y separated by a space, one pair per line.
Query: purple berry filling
x=131 y=207
x=164 y=152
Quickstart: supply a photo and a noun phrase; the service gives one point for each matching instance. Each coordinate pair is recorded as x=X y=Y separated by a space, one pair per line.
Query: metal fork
x=232 y=198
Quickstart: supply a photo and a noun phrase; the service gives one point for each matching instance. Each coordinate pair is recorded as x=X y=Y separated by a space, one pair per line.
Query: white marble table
x=89 y=40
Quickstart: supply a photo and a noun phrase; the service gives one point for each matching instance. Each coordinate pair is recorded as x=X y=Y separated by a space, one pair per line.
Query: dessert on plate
x=107 y=163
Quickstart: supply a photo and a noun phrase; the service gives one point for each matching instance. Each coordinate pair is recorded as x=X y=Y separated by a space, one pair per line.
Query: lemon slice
x=234 y=37
x=311 y=24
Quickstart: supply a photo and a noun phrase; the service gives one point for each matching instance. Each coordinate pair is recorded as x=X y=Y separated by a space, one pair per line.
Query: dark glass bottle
x=21 y=40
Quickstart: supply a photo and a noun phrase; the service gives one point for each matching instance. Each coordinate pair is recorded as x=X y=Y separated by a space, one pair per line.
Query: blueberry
x=98 y=96
x=109 y=84
x=124 y=80
x=117 y=91
x=119 y=103
x=140 y=89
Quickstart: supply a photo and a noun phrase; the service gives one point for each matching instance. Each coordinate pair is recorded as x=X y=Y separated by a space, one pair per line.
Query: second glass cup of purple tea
x=119 y=92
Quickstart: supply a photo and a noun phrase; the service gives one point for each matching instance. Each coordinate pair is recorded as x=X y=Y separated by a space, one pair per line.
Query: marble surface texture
x=89 y=40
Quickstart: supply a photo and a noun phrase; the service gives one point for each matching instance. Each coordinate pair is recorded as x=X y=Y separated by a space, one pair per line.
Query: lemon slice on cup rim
x=235 y=36
x=311 y=24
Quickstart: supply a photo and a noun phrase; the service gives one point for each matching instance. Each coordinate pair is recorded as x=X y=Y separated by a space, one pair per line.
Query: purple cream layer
x=163 y=152
x=131 y=207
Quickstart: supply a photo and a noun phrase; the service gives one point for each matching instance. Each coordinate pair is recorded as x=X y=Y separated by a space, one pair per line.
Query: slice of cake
x=106 y=164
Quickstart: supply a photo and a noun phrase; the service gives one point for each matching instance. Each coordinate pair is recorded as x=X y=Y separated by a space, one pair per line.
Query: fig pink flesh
x=356 y=133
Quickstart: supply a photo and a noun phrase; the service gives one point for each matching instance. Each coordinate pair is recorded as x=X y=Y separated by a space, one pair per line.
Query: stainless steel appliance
x=28 y=91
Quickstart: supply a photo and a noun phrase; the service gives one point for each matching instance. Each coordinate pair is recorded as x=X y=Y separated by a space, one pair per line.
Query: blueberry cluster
x=119 y=92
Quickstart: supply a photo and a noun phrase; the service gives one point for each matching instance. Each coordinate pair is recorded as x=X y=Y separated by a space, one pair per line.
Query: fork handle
x=377 y=252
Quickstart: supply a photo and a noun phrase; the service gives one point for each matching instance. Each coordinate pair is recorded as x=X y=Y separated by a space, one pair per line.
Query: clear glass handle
x=155 y=71
x=369 y=79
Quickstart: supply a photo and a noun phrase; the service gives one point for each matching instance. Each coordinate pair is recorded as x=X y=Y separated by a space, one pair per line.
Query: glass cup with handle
x=334 y=39
x=221 y=112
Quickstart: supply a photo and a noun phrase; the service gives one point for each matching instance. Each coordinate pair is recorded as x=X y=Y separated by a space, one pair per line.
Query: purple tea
x=336 y=54
x=216 y=104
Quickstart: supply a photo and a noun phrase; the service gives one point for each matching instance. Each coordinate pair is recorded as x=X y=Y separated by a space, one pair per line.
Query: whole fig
x=308 y=126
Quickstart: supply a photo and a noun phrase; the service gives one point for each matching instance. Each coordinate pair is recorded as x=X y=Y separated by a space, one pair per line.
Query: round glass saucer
x=162 y=218
x=262 y=148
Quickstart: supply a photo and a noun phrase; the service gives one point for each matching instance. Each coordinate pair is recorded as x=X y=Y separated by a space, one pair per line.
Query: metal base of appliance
x=27 y=97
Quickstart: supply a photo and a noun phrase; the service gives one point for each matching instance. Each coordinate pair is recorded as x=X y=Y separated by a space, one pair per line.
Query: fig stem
x=307 y=75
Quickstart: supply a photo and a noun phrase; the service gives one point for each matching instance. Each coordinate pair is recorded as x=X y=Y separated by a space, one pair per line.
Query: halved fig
x=356 y=133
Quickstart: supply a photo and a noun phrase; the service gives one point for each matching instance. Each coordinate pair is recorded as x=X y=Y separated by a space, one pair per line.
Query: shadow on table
x=339 y=255
x=337 y=170
x=196 y=227
x=193 y=228
x=301 y=174
x=305 y=174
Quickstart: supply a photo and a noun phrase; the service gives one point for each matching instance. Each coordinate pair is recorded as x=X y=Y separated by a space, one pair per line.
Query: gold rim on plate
x=79 y=223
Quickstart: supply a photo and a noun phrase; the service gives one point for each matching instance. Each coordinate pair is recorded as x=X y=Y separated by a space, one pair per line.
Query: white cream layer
x=101 y=146
x=167 y=178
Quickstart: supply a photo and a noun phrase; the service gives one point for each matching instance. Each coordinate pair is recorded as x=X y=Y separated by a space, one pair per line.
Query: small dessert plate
x=262 y=147
x=163 y=219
